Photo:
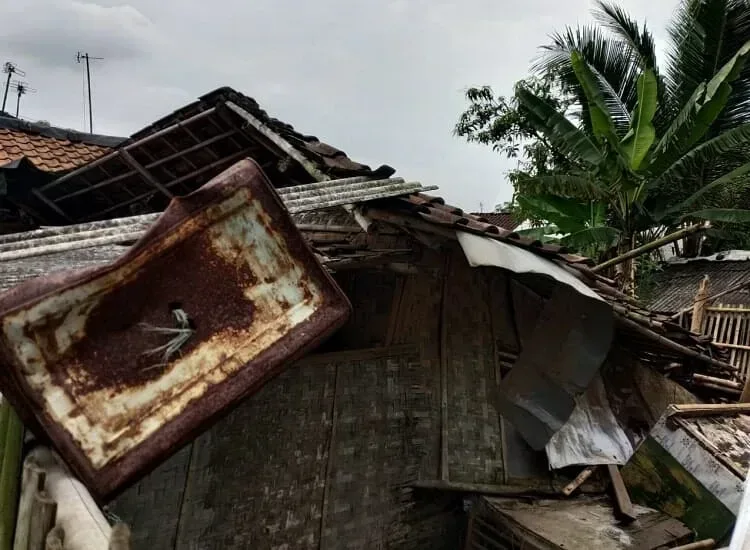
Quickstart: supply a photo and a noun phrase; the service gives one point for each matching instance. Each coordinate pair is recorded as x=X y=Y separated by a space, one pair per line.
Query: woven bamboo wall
x=318 y=458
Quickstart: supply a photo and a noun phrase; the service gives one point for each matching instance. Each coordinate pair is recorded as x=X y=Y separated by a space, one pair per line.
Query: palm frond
x=704 y=35
x=719 y=182
x=616 y=19
x=558 y=129
x=601 y=121
x=727 y=142
x=615 y=65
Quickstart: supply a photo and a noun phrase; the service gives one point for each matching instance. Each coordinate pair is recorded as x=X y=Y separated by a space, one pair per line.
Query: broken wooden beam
x=578 y=481
x=623 y=505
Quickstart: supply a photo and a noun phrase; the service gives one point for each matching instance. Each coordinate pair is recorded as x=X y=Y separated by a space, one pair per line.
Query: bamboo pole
x=718 y=381
x=666 y=342
x=55 y=539
x=698 y=545
x=648 y=247
x=11 y=442
x=699 y=306
x=32 y=481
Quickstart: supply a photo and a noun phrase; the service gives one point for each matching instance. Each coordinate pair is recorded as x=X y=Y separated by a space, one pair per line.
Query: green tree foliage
x=670 y=141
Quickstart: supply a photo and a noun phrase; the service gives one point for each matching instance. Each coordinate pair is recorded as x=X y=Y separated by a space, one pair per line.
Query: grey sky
x=382 y=80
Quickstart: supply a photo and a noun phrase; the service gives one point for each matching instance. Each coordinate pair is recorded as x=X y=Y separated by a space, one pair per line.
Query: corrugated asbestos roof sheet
x=48 y=148
x=675 y=286
x=500 y=219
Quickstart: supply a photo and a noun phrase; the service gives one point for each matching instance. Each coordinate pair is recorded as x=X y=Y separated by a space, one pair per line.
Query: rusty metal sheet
x=81 y=357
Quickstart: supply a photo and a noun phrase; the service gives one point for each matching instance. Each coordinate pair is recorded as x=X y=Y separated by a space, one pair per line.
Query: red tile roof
x=434 y=211
x=46 y=153
x=500 y=219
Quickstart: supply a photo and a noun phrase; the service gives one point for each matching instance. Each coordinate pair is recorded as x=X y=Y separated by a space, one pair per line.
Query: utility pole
x=21 y=88
x=10 y=69
x=87 y=57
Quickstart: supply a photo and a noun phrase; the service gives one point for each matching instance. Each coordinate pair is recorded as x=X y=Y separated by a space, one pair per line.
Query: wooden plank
x=359 y=354
x=710 y=447
x=578 y=481
x=533 y=488
x=145 y=174
x=623 y=505
x=278 y=141
x=708 y=409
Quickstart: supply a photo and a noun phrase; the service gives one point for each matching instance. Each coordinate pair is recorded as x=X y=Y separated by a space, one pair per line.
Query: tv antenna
x=10 y=69
x=21 y=88
x=87 y=58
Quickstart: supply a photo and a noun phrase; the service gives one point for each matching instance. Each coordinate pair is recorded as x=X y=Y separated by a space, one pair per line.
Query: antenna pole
x=87 y=57
x=88 y=80
x=10 y=69
x=18 y=101
x=5 y=95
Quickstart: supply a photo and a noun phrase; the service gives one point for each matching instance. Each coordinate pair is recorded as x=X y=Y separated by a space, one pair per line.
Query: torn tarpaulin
x=565 y=349
x=592 y=435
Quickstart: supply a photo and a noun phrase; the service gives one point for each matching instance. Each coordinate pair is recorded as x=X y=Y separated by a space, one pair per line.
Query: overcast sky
x=382 y=80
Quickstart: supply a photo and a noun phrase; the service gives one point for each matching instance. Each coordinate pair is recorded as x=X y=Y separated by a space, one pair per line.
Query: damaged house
x=473 y=361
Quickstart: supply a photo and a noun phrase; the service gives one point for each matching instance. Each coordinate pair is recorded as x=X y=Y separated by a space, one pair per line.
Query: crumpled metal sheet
x=565 y=349
x=76 y=347
x=592 y=435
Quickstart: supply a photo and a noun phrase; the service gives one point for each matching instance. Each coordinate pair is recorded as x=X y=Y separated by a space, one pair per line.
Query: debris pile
x=230 y=332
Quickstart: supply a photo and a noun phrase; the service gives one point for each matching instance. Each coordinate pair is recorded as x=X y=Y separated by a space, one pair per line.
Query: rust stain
x=230 y=257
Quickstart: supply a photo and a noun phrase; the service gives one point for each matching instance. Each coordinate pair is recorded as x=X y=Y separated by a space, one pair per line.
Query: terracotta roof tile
x=500 y=219
x=48 y=154
x=433 y=210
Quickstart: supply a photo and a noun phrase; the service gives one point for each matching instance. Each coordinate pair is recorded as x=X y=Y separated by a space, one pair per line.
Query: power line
x=87 y=58
x=21 y=88
x=10 y=69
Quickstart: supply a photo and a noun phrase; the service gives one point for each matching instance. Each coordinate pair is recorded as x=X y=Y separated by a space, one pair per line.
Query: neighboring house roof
x=500 y=219
x=675 y=286
x=47 y=148
x=182 y=151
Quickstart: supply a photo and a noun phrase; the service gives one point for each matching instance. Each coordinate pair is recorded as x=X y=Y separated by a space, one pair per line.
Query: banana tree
x=636 y=174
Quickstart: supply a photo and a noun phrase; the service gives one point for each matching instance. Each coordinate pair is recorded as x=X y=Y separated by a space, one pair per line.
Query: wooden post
x=120 y=538
x=43 y=516
x=55 y=539
x=699 y=306
x=31 y=482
